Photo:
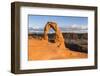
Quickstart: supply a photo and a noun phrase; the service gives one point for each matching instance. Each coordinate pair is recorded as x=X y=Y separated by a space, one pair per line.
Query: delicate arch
x=58 y=35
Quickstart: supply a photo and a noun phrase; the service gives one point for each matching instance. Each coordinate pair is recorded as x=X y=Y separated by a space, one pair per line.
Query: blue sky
x=36 y=21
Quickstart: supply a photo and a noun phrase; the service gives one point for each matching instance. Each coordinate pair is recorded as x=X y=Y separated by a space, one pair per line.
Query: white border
x=25 y=64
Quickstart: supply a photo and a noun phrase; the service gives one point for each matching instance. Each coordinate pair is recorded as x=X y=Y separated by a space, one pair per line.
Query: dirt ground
x=42 y=50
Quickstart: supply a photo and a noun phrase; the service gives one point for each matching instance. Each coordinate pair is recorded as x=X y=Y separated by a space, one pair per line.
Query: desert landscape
x=58 y=45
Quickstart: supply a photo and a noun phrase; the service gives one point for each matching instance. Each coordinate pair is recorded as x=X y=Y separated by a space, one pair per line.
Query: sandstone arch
x=58 y=35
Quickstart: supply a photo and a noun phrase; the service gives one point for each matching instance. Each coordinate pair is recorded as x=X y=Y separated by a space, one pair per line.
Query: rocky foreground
x=39 y=49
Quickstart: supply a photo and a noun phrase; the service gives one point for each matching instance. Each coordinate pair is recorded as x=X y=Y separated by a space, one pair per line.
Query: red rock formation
x=58 y=35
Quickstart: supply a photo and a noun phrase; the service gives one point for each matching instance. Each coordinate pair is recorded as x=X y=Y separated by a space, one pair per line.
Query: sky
x=39 y=21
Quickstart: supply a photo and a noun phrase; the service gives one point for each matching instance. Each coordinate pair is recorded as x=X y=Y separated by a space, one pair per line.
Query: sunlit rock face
x=58 y=34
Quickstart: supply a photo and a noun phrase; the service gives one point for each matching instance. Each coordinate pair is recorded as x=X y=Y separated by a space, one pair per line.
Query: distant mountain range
x=70 y=29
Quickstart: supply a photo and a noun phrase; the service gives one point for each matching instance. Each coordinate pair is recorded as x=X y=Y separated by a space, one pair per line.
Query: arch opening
x=51 y=35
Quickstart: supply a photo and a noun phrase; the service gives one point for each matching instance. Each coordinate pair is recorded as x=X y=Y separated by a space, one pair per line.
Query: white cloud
x=75 y=26
x=35 y=27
